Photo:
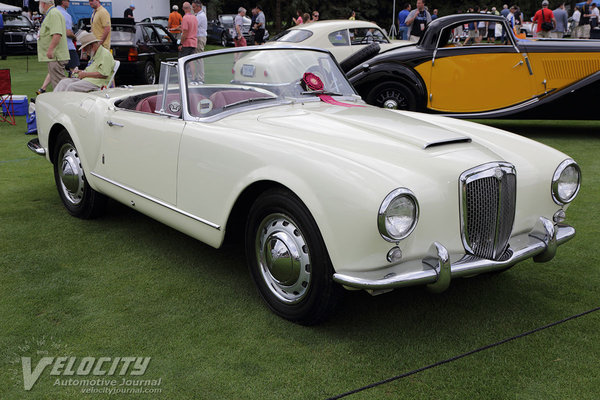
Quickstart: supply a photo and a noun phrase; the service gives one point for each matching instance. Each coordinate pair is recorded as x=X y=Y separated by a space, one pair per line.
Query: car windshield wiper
x=325 y=92
x=252 y=100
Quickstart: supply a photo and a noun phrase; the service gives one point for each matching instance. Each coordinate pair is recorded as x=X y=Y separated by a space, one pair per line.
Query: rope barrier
x=458 y=357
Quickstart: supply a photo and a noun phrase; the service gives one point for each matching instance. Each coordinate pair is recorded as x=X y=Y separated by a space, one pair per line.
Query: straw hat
x=86 y=39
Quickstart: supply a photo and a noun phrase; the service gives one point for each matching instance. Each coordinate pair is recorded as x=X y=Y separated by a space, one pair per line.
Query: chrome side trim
x=437 y=267
x=157 y=201
x=507 y=110
x=35 y=146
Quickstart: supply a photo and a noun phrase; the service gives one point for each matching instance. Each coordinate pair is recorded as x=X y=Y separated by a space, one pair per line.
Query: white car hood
x=360 y=127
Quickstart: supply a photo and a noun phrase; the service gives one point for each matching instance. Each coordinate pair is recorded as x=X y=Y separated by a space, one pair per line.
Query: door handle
x=518 y=64
x=110 y=123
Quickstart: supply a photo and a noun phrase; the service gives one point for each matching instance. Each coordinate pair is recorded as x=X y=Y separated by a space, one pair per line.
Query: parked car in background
x=164 y=21
x=342 y=38
x=20 y=34
x=274 y=144
x=140 y=48
x=221 y=30
x=472 y=78
x=527 y=28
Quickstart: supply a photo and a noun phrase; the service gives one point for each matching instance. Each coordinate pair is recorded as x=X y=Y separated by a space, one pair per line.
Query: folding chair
x=6 y=100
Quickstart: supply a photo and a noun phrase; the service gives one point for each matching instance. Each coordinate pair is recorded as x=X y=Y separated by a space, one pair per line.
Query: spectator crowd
x=56 y=44
x=547 y=23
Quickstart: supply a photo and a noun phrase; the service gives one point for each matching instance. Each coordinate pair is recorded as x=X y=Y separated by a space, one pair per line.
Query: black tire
x=360 y=56
x=223 y=39
x=393 y=95
x=78 y=197
x=149 y=77
x=297 y=285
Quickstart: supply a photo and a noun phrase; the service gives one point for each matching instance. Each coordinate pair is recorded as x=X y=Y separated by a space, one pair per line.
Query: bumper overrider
x=436 y=270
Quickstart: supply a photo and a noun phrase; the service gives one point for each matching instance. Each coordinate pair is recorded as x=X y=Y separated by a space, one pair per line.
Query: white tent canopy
x=9 y=8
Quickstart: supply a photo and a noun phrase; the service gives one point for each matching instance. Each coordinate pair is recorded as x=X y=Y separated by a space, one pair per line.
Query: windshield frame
x=183 y=83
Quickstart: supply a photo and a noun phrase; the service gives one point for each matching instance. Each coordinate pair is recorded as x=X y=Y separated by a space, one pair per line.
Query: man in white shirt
x=595 y=16
x=576 y=27
x=202 y=25
x=239 y=40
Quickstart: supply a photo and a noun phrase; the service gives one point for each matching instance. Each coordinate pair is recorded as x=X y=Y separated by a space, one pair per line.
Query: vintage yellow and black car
x=473 y=66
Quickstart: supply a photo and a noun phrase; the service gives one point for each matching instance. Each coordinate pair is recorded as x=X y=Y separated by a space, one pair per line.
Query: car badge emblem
x=175 y=107
x=205 y=106
x=498 y=173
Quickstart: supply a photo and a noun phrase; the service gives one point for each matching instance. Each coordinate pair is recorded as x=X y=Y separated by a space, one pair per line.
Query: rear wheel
x=78 y=197
x=224 y=40
x=149 y=73
x=392 y=95
x=288 y=260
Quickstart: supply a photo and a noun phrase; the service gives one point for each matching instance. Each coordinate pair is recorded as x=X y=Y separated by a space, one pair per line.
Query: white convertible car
x=330 y=193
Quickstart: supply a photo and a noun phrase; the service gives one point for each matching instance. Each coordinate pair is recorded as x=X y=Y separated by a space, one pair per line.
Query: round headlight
x=398 y=215
x=29 y=37
x=566 y=182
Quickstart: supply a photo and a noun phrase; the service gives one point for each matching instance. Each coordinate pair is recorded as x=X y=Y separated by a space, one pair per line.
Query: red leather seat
x=224 y=97
x=148 y=104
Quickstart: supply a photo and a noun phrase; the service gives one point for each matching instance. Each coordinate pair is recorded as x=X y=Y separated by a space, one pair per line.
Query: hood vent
x=444 y=142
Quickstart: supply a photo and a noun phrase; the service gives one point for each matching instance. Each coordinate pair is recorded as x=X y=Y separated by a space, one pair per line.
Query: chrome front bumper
x=35 y=146
x=437 y=270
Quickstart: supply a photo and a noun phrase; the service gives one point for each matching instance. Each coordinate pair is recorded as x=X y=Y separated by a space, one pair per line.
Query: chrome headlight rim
x=393 y=195
x=556 y=181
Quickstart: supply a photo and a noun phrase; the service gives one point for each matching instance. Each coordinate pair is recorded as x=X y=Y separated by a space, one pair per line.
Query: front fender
x=82 y=117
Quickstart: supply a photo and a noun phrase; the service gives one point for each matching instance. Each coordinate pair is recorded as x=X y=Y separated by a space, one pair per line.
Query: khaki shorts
x=56 y=71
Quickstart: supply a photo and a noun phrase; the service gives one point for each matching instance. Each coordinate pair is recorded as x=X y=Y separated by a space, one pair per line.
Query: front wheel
x=78 y=197
x=224 y=40
x=288 y=260
x=392 y=95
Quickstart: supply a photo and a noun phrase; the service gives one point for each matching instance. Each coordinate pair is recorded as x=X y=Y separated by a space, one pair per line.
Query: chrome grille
x=488 y=209
x=14 y=38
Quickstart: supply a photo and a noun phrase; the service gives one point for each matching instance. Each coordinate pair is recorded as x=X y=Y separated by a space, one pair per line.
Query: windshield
x=230 y=80
x=14 y=20
x=293 y=36
x=123 y=34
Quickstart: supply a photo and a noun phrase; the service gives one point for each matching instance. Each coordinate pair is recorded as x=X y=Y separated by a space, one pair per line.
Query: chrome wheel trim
x=70 y=173
x=283 y=258
x=392 y=99
x=391 y=104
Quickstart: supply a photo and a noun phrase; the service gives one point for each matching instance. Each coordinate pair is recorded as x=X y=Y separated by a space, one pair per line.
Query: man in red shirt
x=545 y=21
x=189 y=28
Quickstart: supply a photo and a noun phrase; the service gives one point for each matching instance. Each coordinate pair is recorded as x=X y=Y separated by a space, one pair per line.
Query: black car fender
x=365 y=77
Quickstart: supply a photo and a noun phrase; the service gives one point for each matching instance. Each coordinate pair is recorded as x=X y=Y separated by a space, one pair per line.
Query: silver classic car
x=330 y=193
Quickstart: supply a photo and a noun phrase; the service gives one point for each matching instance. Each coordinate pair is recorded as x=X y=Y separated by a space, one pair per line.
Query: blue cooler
x=31 y=124
x=20 y=105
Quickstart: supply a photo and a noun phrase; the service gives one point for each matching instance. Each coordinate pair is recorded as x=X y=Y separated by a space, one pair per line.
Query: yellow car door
x=474 y=74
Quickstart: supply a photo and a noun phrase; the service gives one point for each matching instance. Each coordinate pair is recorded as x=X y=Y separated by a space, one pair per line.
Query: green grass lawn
x=125 y=285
